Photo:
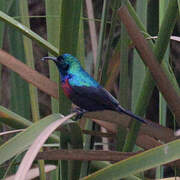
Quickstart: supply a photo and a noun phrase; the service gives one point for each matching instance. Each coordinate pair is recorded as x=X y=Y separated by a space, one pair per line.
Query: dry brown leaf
x=84 y=155
x=28 y=74
x=10 y=132
x=112 y=119
x=144 y=141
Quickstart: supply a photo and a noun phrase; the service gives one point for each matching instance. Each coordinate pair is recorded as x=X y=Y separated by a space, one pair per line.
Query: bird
x=84 y=91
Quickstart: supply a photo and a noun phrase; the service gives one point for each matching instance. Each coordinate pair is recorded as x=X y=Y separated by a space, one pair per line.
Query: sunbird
x=83 y=90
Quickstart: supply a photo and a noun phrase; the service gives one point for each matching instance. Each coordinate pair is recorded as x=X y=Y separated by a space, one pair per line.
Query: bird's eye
x=60 y=58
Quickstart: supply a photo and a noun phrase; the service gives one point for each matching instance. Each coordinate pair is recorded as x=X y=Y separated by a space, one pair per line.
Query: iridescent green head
x=65 y=63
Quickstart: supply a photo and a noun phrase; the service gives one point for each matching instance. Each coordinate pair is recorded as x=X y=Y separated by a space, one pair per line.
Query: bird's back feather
x=93 y=98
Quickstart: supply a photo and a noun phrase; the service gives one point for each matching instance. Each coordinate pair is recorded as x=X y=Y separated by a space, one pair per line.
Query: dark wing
x=93 y=98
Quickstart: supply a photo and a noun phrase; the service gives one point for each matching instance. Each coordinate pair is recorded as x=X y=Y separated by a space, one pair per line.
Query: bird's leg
x=79 y=112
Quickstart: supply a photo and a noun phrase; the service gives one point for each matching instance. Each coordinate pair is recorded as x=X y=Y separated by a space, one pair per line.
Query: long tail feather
x=129 y=113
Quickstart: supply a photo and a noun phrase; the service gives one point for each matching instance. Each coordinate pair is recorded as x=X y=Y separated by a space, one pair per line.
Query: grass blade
x=23 y=6
x=101 y=38
x=35 y=147
x=27 y=32
x=30 y=60
x=70 y=12
x=76 y=142
x=125 y=79
x=81 y=41
x=178 y=1
x=146 y=160
x=2 y=7
x=53 y=30
x=12 y=119
x=162 y=102
x=115 y=6
x=124 y=95
x=12 y=147
x=20 y=101
x=70 y=20
x=138 y=65
x=69 y=32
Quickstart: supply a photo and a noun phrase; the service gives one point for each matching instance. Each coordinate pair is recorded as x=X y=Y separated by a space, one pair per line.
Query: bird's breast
x=66 y=88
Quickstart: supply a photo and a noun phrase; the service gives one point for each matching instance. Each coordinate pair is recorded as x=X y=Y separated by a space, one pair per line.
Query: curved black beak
x=49 y=58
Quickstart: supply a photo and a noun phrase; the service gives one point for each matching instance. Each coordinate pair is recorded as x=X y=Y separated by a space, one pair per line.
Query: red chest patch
x=66 y=88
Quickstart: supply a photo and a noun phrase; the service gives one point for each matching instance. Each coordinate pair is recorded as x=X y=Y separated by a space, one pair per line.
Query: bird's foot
x=79 y=112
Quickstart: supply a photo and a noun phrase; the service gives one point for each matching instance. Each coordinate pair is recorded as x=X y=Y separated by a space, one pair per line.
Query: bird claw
x=79 y=112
